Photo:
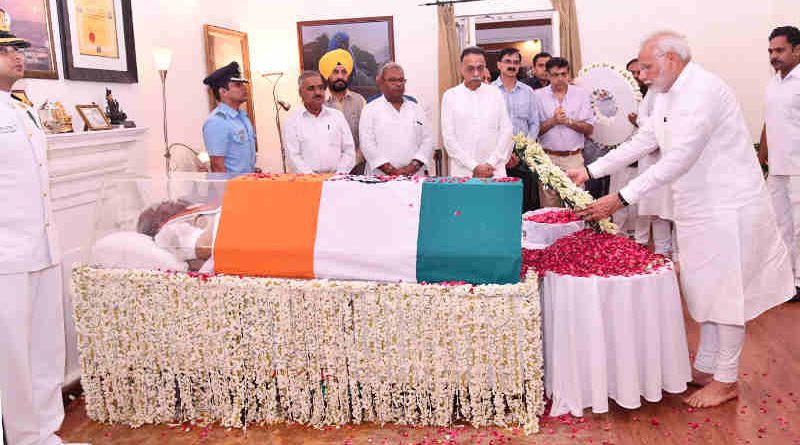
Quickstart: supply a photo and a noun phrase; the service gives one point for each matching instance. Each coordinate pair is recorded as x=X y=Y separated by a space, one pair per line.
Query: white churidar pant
x=719 y=351
x=785 y=193
x=32 y=356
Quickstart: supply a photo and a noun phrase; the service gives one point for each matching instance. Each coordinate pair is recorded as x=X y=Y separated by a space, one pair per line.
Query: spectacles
x=510 y=62
x=11 y=51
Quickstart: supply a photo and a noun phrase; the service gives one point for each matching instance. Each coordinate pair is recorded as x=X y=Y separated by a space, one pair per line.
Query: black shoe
x=796 y=298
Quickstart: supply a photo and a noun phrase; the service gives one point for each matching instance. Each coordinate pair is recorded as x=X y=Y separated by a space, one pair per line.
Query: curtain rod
x=447 y=2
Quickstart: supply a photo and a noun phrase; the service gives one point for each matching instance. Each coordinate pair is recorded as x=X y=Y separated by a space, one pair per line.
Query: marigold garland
x=160 y=347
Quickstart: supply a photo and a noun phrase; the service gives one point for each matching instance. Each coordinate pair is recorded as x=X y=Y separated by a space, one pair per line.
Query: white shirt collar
x=386 y=103
x=304 y=111
x=795 y=72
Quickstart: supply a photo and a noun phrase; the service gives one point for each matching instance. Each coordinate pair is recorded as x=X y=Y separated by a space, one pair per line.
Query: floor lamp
x=279 y=104
x=163 y=59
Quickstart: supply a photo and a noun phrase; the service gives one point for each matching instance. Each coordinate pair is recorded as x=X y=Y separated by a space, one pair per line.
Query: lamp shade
x=162 y=57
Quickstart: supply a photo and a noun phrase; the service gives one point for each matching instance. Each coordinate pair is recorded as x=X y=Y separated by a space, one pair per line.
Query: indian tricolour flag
x=410 y=230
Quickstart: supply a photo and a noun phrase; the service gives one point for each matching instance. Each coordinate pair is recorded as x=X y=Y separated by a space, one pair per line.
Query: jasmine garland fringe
x=158 y=347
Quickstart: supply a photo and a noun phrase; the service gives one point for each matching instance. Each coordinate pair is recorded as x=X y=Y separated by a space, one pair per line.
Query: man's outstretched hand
x=600 y=209
x=578 y=175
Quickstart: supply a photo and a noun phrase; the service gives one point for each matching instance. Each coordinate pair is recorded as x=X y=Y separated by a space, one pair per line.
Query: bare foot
x=713 y=394
x=700 y=378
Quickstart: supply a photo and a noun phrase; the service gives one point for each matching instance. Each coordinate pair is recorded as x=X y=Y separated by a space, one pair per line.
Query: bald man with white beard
x=734 y=265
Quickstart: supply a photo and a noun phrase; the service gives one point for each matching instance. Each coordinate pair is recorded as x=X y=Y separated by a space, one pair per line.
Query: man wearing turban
x=336 y=66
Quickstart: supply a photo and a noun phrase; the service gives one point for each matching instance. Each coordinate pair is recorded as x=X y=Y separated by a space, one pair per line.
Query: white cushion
x=133 y=250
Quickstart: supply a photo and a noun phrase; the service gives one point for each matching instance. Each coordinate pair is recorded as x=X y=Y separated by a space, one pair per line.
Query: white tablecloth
x=617 y=337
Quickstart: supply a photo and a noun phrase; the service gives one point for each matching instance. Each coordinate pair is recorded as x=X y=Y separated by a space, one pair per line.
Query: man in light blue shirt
x=523 y=109
x=227 y=133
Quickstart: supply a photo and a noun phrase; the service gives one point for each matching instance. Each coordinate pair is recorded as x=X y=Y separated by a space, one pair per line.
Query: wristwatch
x=622 y=200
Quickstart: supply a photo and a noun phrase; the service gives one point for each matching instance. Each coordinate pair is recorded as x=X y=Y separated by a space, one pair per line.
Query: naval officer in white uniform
x=31 y=313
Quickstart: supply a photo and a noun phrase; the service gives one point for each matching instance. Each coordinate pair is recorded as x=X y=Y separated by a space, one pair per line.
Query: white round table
x=612 y=337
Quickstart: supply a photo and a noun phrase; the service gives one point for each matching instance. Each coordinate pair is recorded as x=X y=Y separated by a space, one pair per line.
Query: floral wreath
x=598 y=94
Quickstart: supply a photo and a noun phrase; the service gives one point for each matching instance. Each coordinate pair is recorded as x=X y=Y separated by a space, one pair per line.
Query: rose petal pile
x=589 y=253
x=561 y=216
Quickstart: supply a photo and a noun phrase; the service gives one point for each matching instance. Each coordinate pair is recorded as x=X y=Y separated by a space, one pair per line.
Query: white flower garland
x=158 y=347
x=554 y=178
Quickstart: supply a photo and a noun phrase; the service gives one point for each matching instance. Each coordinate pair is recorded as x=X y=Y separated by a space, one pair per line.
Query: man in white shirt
x=476 y=128
x=566 y=118
x=395 y=135
x=734 y=266
x=654 y=211
x=317 y=138
x=31 y=307
x=780 y=139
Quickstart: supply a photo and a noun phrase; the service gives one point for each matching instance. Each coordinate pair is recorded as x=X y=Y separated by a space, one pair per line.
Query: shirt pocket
x=238 y=134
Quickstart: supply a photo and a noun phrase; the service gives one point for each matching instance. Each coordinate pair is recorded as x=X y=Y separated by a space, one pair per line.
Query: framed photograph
x=224 y=46
x=369 y=40
x=93 y=117
x=97 y=40
x=31 y=21
x=22 y=96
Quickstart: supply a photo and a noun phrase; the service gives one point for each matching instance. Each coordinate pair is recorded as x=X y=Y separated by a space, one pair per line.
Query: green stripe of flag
x=470 y=231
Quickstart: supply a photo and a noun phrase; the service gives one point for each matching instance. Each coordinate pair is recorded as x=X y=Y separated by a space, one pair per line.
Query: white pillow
x=133 y=250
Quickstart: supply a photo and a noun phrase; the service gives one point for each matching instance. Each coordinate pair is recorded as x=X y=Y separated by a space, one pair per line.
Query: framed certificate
x=97 y=28
x=97 y=40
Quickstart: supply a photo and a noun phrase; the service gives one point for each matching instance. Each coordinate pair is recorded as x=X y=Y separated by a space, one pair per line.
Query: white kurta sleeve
x=347 y=158
x=642 y=143
x=502 y=151
x=291 y=142
x=690 y=130
x=454 y=148
x=369 y=142
x=425 y=148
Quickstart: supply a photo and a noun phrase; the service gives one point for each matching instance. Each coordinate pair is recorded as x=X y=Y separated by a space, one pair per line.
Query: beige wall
x=727 y=37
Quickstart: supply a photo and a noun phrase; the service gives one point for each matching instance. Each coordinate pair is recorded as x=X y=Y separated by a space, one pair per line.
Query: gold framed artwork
x=22 y=96
x=97 y=40
x=370 y=40
x=93 y=117
x=224 y=46
x=31 y=21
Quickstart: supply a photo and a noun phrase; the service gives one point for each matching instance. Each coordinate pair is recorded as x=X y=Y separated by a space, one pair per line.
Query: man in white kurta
x=734 y=265
x=780 y=139
x=476 y=128
x=317 y=138
x=31 y=315
x=396 y=138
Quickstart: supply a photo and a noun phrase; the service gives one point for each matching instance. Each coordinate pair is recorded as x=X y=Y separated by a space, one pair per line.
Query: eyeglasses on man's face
x=11 y=51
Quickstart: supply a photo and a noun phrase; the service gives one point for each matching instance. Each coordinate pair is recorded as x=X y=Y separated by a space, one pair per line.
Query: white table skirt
x=617 y=337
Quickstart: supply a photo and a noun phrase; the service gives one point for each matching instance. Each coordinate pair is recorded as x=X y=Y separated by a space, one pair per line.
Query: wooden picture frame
x=31 y=21
x=23 y=97
x=115 y=56
x=369 y=39
x=224 y=46
x=93 y=117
